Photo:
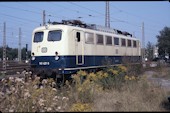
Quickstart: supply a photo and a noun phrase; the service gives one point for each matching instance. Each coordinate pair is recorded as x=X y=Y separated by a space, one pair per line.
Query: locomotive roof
x=79 y=24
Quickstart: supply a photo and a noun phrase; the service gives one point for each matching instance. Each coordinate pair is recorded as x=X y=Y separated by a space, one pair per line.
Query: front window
x=38 y=36
x=54 y=35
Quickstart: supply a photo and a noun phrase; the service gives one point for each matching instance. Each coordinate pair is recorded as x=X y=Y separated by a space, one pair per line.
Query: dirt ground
x=160 y=77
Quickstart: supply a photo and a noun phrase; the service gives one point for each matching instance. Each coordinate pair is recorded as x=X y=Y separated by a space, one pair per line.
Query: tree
x=12 y=53
x=149 y=51
x=164 y=42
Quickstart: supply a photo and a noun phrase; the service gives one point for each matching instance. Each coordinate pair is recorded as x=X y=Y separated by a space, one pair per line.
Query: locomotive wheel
x=60 y=80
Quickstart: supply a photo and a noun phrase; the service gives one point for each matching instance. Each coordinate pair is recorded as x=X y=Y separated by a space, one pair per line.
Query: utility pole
x=4 y=49
x=26 y=52
x=19 y=48
x=107 y=16
x=43 y=17
x=143 y=43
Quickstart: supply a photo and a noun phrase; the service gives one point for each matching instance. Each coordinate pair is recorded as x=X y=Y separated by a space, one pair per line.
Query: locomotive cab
x=47 y=51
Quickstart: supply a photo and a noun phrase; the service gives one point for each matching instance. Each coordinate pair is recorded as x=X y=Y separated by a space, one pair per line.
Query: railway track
x=13 y=66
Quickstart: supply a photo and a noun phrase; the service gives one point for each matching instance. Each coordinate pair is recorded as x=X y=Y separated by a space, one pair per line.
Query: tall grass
x=112 y=89
x=16 y=95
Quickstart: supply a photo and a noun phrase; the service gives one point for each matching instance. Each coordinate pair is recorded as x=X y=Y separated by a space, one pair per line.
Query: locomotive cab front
x=48 y=46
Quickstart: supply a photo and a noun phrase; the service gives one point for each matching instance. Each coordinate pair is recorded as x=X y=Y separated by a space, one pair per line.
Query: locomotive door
x=79 y=47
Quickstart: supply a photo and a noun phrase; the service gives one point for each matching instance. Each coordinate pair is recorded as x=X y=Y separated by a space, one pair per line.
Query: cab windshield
x=54 y=35
x=38 y=36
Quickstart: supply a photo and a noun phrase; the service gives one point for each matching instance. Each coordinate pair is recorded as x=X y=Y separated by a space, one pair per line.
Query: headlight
x=56 y=57
x=33 y=58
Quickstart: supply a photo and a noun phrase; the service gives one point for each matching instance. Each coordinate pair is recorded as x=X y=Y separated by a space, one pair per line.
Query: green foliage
x=88 y=85
x=149 y=51
x=164 y=41
x=12 y=53
x=114 y=78
x=84 y=87
x=134 y=69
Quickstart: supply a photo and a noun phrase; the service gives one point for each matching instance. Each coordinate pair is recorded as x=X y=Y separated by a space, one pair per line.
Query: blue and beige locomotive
x=71 y=45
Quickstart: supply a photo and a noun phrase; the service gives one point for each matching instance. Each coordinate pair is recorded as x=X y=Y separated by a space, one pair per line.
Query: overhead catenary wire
x=20 y=18
x=85 y=8
x=20 y=9
x=24 y=21
x=123 y=21
x=95 y=12
x=79 y=6
x=49 y=12
x=137 y=16
x=104 y=15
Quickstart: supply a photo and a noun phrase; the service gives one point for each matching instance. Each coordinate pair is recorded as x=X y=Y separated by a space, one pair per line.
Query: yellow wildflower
x=105 y=75
x=99 y=75
x=115 y=72
x=130 y=78
x=79 y=107
x=92 y=76
x=133 y=78
x=126 y=77
x=79 y=89
x=83 y=73
x=123 y=68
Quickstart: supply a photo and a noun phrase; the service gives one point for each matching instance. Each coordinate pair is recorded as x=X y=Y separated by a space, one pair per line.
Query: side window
x=78 y=36
x=89 y=38
x=134 y=43
x=38 y=36
x=129 y=43
x=108 y=40
x=99 y=39
x=116 y=41
x=123 y=42
x=54 y=35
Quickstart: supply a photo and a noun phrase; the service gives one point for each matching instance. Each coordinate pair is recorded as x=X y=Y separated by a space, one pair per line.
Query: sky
x=125 y=16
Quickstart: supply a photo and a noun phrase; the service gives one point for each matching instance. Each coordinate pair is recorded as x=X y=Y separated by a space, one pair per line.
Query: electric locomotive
x=71 y=45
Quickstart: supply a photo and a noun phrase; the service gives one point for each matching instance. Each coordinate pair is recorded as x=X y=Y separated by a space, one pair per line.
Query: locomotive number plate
x=44 y=63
